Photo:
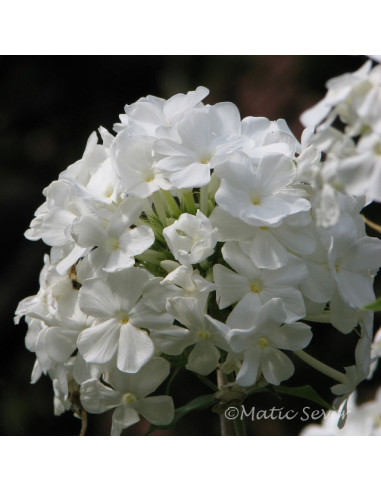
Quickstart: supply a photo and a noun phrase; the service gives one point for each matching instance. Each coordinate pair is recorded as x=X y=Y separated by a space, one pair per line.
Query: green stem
x=151 y=256
x=320 y=366
x=147 y=207
x=239 y=427
x=171 y=203
x=170 y=381
x=204 y=200
x=227 y=426
x=207 y=382
x=186 y=196
x=159 y=207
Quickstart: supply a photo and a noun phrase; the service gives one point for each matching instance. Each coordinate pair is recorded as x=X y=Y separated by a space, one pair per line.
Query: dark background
x=48 y=108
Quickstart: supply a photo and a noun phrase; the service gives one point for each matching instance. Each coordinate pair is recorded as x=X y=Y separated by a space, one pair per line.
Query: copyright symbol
x=231 y=413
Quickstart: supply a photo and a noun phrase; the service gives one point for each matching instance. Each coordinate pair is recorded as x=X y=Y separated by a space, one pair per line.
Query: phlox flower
x=119 y=315
x=191 y=238
x=118 y=243
x=267 y=246
x=260 y=335
x=199 y=333
x=203 y=138
x=128 y=395
x=259 y=193
x=249 y=285
x=134 y=162
x=154 y=116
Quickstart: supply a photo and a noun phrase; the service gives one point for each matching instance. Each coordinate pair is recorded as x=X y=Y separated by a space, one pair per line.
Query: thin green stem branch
x=186 y=197
x=320 y=366
x=227 y=427
x=204 y=200
x=171 y=379
x=159 y=207
x=171 y=203
x=239 y=426
x=206 y=381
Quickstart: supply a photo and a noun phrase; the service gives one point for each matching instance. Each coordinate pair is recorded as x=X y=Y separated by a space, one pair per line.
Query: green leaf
x=199 y=403
x=305 y=391
x=375 y=306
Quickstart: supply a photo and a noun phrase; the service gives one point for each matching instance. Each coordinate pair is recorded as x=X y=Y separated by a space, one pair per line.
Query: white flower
x=258 y=334
x=254 y=286
x=114 y=302
x=339 y=88
x=191 y=239
x=267 y=246
x=259 y=194
x=189 y=283
x=118 y=243
x=265 y=136
x=56 y=339
x=203 y=133
x=44 y=303
x=157 y=117
x=134 y=225
x=127 y=393
x=93 y=176
x=55 y=217
x=134 y=162
x=362 y=420
x=200 y=333
x=353 y=262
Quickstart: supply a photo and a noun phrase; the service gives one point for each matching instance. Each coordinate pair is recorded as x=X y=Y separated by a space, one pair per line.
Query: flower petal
x=204 y=358
x=248 y=372
x=99 y=343
x=135 y=348
x=123 y=417
x=276 y=366
x=158 y=410
x=98 y=398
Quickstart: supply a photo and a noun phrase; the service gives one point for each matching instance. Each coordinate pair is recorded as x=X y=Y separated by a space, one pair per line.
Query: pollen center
x=203 y=334
x=129 y=398
x=113 y=243
x=255 y=199
x=123 y=318
x=256 y=287
x=205 y=160
x=149 y=177
x=109 y=191
x=263 y=342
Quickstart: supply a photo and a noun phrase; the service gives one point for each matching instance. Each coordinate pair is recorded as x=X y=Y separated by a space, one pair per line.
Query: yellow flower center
x=263 y=342
x=113 y=243
x=123 y=318
x=205 y=160
x=149 y=177
x=129 y=398
x=255 y=199
x=256 y=287
x=203 y=334
x=109 y=191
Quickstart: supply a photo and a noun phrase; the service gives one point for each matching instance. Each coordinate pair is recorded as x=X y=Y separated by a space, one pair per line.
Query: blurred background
x=48 y=108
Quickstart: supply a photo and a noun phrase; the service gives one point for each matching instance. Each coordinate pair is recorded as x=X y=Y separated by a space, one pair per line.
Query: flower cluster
x=348 y=134
x=192 y=239
x=362 y=420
